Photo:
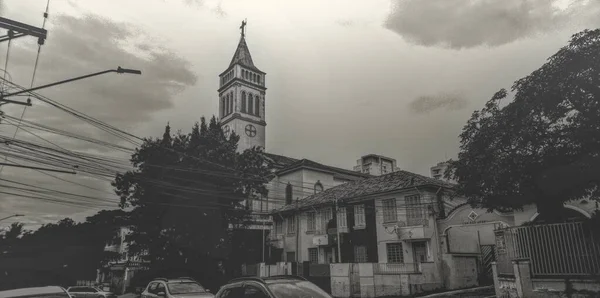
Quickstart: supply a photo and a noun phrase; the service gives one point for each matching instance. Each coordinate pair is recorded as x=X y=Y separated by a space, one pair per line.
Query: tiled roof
x=242 y=56
x=280 y=160
x=378 y=184
x=338 y=172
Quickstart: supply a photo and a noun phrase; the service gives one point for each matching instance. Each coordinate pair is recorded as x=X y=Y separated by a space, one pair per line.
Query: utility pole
x=337 y=230
x=18 y=29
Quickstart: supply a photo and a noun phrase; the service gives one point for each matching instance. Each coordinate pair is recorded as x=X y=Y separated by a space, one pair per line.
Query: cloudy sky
x=345 y=77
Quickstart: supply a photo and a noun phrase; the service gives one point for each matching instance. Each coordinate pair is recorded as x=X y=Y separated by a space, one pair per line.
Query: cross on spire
x=243 y=27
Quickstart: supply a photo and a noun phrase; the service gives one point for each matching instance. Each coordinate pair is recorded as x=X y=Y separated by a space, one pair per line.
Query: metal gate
x=354 y=280
x=488 y=255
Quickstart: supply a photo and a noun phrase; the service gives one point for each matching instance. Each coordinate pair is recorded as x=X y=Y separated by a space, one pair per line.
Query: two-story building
x=383 y=219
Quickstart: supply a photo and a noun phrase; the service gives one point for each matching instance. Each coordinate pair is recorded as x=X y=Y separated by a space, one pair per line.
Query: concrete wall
x=465 y=235
x=367 y=284
x=524 y=285
x=459 y=271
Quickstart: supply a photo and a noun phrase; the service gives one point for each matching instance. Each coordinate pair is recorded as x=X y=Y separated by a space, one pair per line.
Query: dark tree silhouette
x=186 y=191
x=59 y=253
x=541 y=148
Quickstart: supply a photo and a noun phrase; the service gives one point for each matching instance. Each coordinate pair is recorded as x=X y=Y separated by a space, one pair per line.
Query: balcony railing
x=393 y=268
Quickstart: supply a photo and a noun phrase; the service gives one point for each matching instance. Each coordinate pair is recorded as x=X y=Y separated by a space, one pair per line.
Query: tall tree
x=186 y=191
x=541 y=148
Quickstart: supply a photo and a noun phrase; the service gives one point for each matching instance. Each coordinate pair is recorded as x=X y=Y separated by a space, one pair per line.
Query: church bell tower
x=242 y=98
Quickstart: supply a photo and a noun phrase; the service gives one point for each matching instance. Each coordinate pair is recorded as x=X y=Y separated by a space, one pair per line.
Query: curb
x=465 y=291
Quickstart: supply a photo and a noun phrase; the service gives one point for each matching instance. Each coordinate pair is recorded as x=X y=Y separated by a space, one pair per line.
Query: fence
x=563 y=249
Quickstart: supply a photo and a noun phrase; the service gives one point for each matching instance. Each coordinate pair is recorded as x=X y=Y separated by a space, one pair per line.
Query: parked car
x=175 y=288
x=89 y=292
x=37 y=292
x=284 y=286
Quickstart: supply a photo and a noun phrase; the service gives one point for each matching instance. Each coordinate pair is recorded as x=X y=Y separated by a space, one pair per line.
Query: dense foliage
x=58 y=253
x=542 y=147
x=186 y=191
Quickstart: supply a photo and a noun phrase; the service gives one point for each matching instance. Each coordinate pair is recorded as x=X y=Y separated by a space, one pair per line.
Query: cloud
x=82 y=45
x=429 y=103
x=466 y=23
x=78 y=46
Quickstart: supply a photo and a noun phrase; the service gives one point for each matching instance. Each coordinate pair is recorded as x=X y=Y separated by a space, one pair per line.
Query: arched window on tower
x=250 y=103
x=257 y=105
x=243 y=101
x=254 y=77
x=226 y=98
x=258 y=79
x=222 y=107
x=232 y=103
x=228 y=104
x=243 y=73
x=318 y=187
x=288 y=194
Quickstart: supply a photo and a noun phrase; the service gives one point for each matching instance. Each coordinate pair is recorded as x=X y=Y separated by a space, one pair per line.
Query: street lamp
x=14 y=215
x=119 y=70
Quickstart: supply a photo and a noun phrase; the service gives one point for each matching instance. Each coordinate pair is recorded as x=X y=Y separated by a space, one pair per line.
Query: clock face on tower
x=226 y=131
x=250 y=130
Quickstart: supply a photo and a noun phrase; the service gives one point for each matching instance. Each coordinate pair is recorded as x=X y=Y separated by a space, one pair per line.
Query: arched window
x=243 y=101
x=243 y=73
x=318 y=187
x=222 y=107
x=254 y=77
x=232 y=103
x=226 y=104
x=258 y=79
x=257 y=105
x=288 y=194
x=250 y=104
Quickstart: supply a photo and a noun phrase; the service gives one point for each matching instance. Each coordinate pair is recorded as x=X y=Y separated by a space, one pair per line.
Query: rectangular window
x=389 y=210
x=414 y=210
x=342 y=220
x=311 y=222
x=326 y=216
x=291 y=225
x=313 y=255
x=360 y=254
x=359 y=215
x=278 y=227
x=394 y=253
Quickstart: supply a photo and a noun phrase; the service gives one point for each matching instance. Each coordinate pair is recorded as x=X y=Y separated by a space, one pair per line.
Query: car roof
x=179 y=279
x=269 y=280
x=32 y=291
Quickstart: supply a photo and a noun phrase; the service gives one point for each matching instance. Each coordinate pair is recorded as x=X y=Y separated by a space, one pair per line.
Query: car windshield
x=185 y=288
x=302 y=289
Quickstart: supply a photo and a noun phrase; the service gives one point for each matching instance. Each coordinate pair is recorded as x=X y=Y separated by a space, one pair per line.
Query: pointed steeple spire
x=242 y=53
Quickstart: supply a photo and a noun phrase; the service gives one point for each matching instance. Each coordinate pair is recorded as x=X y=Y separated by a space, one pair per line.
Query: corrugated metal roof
x=369 y=186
